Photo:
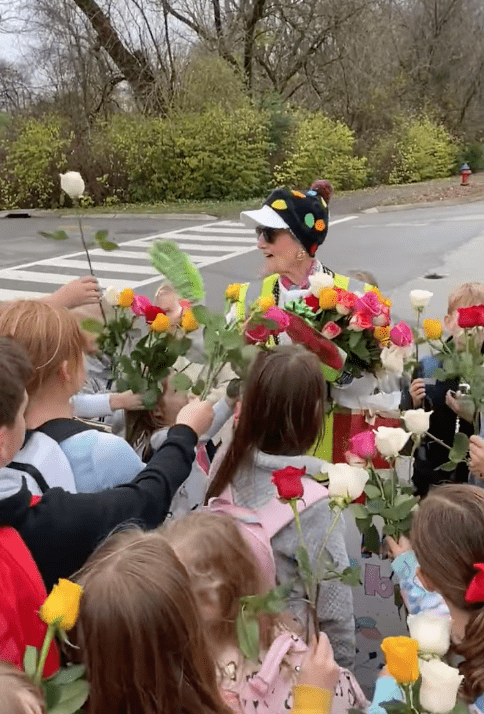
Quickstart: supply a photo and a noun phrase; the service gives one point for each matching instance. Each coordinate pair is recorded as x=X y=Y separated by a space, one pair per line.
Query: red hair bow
x=475 y=591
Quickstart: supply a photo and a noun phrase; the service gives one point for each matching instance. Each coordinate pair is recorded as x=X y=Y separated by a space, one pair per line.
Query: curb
x=421 y=204
x=90 y=216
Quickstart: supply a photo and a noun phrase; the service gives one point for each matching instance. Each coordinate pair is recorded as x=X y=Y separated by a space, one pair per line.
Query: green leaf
x=247 y=632
x=68 y=674
x=30 y=660
x=304 y=563
x=181 y=382
x=354 y=339
x=459 y=448
x=198 y=387
x=375 y=505
x=150 y=398
x=351 y=576
x=394 y=707
x=176 y=266
x=440 y=374
x=202 y=314
x=372 y=491
x=363 y=524
x=107 y=245
x=72 y=697
x=358 y=510
x=101 y=235
x=448 y=466
x=91 y=325
x=55 y=235
x=372 y=540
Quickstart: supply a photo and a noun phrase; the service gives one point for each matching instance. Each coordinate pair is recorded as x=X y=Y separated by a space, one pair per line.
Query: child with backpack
x=229 y=557
x=281 y=418
x=60 y=451
x=448 y=540
x=143 y=641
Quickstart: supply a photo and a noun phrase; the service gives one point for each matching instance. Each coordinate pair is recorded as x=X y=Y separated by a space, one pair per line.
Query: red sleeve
x=23 y=593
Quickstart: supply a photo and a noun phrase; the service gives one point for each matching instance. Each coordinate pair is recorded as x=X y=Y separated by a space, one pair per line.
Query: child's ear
x=446 y=321
x=64 y=372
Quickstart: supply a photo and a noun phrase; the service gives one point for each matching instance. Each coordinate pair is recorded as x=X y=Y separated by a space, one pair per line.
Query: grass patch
x=220 y=209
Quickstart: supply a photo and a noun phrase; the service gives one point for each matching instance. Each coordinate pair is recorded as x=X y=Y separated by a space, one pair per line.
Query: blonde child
x=448 y=539
x=142 y=638
x=223 y=568
x=440 y=398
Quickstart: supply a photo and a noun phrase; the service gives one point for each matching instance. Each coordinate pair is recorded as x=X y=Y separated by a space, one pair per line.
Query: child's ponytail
x=472 y=649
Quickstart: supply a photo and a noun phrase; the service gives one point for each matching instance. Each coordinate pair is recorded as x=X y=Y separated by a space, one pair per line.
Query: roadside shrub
x=417 y=149
x=33 y=153
x=322 y=148
x=472 y=154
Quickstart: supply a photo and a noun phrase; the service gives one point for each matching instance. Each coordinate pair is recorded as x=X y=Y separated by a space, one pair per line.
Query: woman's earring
x=300 y=255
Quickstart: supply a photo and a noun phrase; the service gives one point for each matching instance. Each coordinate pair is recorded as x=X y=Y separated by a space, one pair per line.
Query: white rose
x=417 y=420
x=318 y=281
x=419 y=299
x=440 y=684
x=346 y=481
x=392 y=359
x=390 y=440
x=72 y=184
x=431 y=633
x=111 y=295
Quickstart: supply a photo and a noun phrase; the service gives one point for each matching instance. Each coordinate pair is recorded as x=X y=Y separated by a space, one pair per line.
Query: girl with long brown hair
x=140 y=633
x=448 y=540
x=281 y=419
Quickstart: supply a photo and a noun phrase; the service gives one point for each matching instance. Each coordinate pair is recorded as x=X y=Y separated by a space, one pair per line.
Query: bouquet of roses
x=358 y=325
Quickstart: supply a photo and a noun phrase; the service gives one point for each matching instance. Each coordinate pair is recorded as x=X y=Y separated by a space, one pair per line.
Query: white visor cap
x=264 y=216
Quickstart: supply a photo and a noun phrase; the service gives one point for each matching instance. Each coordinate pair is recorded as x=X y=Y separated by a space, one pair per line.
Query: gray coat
x=253 y=488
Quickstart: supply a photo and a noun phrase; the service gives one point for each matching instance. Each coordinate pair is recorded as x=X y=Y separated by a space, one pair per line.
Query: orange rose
x=328 y=298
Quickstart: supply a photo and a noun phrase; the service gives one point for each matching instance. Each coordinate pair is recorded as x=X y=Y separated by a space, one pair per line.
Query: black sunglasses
x=269 y=234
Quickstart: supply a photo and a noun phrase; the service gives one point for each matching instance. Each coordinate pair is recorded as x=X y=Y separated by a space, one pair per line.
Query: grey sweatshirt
x=253 y=488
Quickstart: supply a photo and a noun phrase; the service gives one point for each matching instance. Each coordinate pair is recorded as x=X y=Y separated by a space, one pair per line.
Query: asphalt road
x=400 y=247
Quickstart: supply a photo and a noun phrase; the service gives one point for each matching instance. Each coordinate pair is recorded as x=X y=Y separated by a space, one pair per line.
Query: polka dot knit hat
x=304 y=213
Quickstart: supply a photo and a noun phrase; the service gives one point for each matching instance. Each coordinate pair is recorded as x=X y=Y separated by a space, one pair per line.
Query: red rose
x=259 y=333
x=331 y=330
x=361 y=499
x=471 y=316
x=313 y=302
x=288 y=482
x=360 y=321
x=151 y=311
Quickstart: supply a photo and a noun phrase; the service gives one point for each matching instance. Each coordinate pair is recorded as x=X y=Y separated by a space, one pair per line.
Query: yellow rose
x=125 y=298
x=384 y=300
x=188 y=321
x=328 y=297
x=266 y=302
x=161 y=323
x=401 y=654
x=382 y=334
x=62 y=605
x=233 y=291
x=432 y=328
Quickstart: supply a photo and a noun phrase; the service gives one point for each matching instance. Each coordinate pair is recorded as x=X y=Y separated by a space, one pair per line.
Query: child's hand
x=319 y=668
x=395 y=549
x=82 y=291
x=126 y=400
x=463 y=406
x=476 y=450
x=417 y=392
x=197 y=415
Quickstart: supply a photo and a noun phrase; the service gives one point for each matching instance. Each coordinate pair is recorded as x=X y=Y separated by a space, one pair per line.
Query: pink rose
x=259 y=333
x=359 y=322
x=139 y=305
x=369 y=304
x=382 y=320
x=401 y=335
x=331 y=330
x=278 y=316
x=363 y=445
x=346 y=302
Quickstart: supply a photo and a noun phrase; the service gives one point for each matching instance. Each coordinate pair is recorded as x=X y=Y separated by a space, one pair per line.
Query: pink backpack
x=269 y=682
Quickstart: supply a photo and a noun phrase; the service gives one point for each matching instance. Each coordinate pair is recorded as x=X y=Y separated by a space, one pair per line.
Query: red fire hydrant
x=465 y=172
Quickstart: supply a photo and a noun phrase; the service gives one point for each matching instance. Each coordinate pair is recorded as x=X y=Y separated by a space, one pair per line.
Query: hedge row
x=215 y=154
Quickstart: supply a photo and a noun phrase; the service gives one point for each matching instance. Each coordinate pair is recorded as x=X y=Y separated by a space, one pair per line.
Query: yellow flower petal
x=233 y=291
x=62 y=605
x=382 y=334
x=401 y=654
x=188 y=321
x=328 y=297
x=433 y=329
x=161 y=323
x=126 y=298
x=266 y=302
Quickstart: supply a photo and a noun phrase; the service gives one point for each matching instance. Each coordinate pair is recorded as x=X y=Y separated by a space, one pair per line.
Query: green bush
x=322 y=148
x=472 y=154
x=417 y=149
x=33 y=153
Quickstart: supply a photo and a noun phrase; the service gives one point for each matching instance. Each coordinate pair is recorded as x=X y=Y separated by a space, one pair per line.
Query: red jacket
x=22 y=593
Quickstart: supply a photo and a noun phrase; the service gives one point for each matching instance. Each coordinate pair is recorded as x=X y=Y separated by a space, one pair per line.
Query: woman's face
x=279 y=249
